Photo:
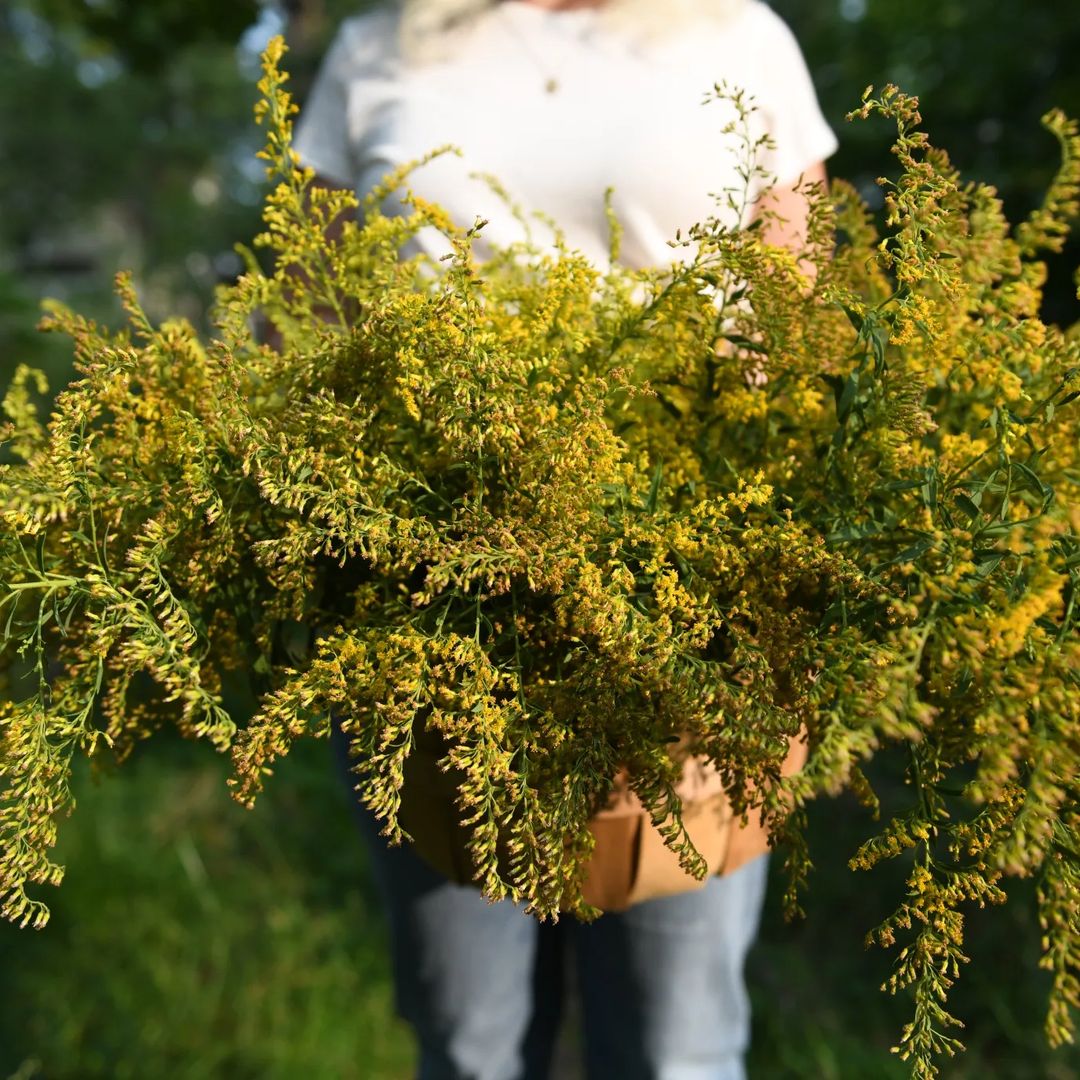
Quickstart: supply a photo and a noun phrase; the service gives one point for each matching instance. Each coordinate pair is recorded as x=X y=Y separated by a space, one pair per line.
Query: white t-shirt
x=622 y=114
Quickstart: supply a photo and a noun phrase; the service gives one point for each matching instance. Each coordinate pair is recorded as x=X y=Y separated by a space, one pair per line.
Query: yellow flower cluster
x=1007 y=632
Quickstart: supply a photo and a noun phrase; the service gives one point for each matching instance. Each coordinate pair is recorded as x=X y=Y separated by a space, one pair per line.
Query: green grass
x=194 y=939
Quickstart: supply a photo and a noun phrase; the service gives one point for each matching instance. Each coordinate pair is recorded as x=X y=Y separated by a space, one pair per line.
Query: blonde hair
x=424 y=23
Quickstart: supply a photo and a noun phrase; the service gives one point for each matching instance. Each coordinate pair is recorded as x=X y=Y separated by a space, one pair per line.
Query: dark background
x=195 y=939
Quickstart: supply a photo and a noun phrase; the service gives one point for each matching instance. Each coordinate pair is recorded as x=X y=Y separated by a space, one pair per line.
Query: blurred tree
x=985 y=72
x=127 y=142
x=144 y=36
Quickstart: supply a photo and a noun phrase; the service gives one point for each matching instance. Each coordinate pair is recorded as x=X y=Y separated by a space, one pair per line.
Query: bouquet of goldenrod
x=552 y=517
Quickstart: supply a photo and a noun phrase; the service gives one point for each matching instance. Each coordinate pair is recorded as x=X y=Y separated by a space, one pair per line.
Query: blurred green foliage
x=985 y=71
x=146 y=36
x=108 y=161
x=202 y=941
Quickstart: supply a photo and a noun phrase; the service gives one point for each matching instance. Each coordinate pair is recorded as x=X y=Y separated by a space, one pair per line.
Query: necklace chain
x=551 y=81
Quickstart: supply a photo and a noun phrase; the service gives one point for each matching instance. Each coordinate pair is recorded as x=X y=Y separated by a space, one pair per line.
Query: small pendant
x=551 y=86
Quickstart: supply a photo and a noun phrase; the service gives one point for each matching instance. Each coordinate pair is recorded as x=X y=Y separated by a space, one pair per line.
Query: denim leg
x=479 y=983
x=662 y=988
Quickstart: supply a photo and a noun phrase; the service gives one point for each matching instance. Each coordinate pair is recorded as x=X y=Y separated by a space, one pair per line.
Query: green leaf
x=681 y=563
x=654 y=488
x=967 y=504
x=7 y=626
x=999 y=528
x=988 y=563
x=844 y=390
x=1034 y=481
x=669 y=407
x=852 y=532
x=879 y=340
x=929 y=489
x=847 y=397
x=909 y=554
x=899 y=485
x=962 y=684
x=854 y=317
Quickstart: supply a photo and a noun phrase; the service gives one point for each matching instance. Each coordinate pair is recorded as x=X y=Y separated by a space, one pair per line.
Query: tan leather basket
x=630 y=862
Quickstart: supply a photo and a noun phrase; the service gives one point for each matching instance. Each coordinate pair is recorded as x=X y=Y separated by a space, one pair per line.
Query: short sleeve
x=325 y=132
x=786 y=96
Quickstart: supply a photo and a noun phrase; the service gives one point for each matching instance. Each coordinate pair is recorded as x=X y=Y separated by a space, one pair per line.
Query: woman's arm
x=792 y=210
x=786 y=229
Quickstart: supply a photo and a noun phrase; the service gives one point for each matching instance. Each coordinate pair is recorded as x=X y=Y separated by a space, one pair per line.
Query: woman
x=558 y=100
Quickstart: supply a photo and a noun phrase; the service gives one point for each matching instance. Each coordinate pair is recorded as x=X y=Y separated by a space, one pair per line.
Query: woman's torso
x=623 y=114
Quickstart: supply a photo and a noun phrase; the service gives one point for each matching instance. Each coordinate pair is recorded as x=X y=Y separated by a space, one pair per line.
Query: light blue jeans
x=661 y=985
